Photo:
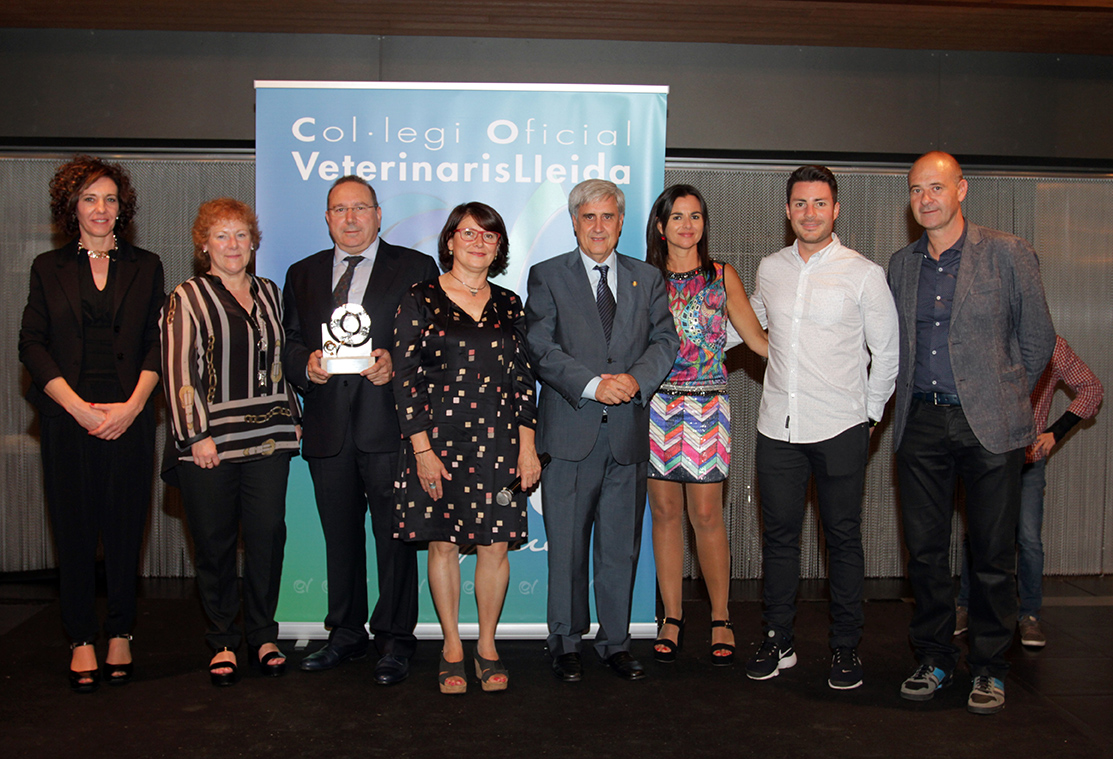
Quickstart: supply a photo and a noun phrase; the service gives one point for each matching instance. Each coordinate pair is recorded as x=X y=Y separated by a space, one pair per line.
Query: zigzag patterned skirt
x=689 y=437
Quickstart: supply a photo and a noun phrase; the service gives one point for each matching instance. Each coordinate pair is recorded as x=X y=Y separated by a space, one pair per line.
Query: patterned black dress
x=469 y=385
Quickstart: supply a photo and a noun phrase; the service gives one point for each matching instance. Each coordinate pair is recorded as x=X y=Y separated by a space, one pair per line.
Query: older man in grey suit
x=601 y=339
x=975 y=335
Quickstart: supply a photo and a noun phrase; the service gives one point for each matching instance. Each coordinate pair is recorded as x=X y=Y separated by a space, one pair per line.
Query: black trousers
x=783 y=470
x=939 y=446
x=219 y=503
x=97 y=489
x=346 y=486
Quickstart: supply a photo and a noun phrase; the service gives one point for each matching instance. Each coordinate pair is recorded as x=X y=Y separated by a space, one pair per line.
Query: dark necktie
x=340 y=292
x=604 y=299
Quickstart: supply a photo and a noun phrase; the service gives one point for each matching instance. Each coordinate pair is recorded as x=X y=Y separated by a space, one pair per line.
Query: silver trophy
x=346 y=341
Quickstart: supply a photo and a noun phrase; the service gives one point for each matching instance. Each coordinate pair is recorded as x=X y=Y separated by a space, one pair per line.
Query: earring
x=662 y=238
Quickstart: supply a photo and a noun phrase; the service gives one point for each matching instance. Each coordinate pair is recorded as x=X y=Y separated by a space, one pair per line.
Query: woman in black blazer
x=90 y=341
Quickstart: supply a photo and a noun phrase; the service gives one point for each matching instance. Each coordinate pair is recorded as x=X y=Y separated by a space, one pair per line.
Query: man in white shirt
x=833 y=353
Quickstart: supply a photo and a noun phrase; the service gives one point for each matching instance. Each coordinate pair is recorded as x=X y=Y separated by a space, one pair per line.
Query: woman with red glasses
x=465 y=394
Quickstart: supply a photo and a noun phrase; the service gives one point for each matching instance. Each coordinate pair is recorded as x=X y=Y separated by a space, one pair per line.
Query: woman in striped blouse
x=235 y=424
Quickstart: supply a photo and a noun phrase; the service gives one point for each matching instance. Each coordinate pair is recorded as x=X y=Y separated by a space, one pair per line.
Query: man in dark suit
x=601 y=339
x=975 y=335
x=350 y=434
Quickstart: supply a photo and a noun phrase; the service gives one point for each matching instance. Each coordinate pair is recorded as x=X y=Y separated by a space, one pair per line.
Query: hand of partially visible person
x=1044 y=443
x=297 y=432
x=204 y=453
x=379 y=372
x=316 y=373
x=614 y=389
x=529 y=466
x=430 y=471
x=117 y=418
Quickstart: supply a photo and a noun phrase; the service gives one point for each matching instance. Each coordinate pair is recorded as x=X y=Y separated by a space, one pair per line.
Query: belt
x=938 y=399
x=604 y=417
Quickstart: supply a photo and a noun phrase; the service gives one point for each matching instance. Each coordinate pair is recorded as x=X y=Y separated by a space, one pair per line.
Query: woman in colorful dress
x=465 y=394
x=690 y=415
x=233 y=418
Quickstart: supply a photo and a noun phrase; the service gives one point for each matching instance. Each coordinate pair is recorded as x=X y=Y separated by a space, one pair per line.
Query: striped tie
x=604 y=299
x=340 y=292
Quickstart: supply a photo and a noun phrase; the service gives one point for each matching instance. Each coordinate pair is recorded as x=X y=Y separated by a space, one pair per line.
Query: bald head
x=936 y=190
x=942 y=162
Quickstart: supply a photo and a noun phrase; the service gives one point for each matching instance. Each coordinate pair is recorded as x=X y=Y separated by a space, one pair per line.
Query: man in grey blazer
x=601 y=339
x=975 y=335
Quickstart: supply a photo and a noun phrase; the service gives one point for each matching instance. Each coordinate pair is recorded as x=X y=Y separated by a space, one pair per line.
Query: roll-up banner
x=426 y=147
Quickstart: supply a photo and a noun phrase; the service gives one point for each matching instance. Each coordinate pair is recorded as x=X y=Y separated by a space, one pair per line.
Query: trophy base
x=347 y=364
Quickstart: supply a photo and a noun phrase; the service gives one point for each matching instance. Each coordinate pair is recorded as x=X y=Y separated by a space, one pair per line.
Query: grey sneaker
x=962 y=620
x=1030 y=633
x=987 y=697
x=775 y=654
x=922 y=684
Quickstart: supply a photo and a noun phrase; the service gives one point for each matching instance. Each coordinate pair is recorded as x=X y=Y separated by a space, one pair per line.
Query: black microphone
x=505 y=496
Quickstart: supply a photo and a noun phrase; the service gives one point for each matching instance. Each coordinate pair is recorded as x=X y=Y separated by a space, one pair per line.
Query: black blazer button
x=116 y=329
x=610 y=360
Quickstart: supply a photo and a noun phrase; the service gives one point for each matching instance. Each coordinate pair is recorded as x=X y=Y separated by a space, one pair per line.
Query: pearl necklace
x=469 y=288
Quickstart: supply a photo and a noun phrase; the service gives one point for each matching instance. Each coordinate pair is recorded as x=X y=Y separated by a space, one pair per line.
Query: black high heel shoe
x=222 y=680
x=264 y=662
x=671 y=648
x=118 y=674
x=86 y=680
x=726 y=659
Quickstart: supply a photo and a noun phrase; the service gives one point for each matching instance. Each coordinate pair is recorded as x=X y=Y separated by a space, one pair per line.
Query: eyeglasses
x=360 y=209
x=468 y=235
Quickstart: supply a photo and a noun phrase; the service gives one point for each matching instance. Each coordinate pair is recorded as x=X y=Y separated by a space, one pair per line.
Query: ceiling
x=1035 y=26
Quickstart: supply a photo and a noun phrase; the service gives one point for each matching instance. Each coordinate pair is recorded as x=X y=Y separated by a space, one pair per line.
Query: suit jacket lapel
x=126 y=270
x=627 y=295
x=383 y=273
x=582 y=296
x=971 y=249
x=910 y=293
x=67 y=279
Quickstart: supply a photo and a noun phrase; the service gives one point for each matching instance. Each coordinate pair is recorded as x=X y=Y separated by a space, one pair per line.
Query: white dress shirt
x=826 y=319
x=612 y=283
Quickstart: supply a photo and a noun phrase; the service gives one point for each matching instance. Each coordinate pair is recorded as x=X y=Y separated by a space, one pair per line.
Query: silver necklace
x=469 y=288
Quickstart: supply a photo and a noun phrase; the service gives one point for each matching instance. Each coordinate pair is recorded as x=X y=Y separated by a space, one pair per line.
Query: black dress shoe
x=332 y=656
x=626 y=666
x=392 y=669
x=568 y=667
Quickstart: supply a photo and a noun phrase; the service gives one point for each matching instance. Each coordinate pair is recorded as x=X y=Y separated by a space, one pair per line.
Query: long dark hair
x=656 y=248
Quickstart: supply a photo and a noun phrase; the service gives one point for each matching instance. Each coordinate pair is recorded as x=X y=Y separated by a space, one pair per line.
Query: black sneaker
x=775 y=654
x=846 y=669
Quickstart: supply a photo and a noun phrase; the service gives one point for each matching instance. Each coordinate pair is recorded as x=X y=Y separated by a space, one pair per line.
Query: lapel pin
x=635 y=283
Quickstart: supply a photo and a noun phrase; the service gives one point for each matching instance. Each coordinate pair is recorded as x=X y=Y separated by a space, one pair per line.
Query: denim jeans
x=1029 y=544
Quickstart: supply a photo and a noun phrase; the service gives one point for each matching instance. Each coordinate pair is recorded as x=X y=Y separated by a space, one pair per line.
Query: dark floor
x=1060 y=700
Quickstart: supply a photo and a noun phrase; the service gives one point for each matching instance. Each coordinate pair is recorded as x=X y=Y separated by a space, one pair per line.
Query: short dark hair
x=487 y=218
x=214 y=211
x=75 y=176
x=352 y=179
x=656 y=248
x=813 y=174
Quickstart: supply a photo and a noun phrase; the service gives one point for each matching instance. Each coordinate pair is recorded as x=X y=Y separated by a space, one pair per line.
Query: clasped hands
x=614 y=389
